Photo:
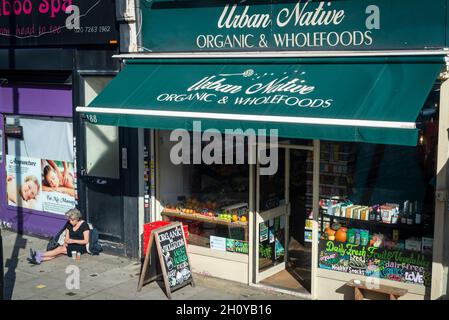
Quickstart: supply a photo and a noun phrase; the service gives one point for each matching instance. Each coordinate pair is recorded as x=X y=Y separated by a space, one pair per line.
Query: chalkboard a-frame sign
x=174 y=261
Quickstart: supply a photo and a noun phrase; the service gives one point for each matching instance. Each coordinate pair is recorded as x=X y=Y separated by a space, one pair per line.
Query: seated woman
x=76 y=239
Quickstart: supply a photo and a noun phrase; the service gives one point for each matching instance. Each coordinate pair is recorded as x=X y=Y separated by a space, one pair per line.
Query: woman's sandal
x=33 y=260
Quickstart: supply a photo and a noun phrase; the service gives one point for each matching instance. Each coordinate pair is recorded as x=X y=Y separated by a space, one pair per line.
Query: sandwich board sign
x=171 y=253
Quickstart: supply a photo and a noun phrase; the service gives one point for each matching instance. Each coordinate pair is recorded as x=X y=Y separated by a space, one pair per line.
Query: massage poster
x=40 y=184
x=58 y=192
x=23 y=182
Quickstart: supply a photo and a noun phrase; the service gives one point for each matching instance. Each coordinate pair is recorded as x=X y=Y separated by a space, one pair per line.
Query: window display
x=383 y=226
x=212 y=200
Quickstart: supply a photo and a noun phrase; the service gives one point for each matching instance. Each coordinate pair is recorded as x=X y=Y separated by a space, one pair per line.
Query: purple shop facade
x=35 y=102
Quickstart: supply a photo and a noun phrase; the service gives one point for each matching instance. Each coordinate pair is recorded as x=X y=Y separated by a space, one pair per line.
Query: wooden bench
x=393 y=292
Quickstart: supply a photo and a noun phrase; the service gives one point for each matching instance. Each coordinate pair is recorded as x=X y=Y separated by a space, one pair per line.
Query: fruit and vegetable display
x=337 y=232
x=211 y=210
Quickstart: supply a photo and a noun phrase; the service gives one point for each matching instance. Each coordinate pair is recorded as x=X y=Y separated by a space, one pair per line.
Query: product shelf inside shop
x=338 y=163
x=333 y=186
x=334 y=174
x=199 y=217
x=376 y=223
x=325 y=195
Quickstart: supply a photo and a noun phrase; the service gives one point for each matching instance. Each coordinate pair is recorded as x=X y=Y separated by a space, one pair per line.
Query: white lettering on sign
x=414 y=277
x=300 y=16
x=318 y=17
x=281 y=85
x=168 y=236
x=216 y=85
x=225 y=41
x=289 y=89
x=232 y=20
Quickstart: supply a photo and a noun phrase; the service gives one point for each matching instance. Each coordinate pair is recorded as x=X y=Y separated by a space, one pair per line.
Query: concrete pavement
x=103 y=277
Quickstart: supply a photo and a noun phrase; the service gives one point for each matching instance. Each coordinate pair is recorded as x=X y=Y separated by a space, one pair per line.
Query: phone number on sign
x=93 y=29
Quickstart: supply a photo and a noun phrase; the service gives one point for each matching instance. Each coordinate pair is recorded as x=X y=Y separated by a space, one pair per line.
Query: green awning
x=373 y=100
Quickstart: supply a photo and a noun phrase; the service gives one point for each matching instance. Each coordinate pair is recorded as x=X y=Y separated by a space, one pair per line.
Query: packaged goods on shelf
x=377 y=240
x=426 y=245
x=364 y=213
x=413 y=244
x=390 y=213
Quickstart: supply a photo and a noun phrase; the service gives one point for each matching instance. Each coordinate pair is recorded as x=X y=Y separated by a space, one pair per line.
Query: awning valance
x=359 y=99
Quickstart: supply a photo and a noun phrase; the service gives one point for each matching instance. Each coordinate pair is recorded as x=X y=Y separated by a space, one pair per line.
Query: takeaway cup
x=73 y=255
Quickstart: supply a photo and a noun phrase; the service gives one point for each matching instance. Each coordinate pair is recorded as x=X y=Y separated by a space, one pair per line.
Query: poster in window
x=23 y=184
x=279 y=249
x=58 y=191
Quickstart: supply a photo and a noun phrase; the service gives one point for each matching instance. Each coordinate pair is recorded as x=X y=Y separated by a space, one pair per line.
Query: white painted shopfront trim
x=283 y=291
x=283 y=54
x=251 y=117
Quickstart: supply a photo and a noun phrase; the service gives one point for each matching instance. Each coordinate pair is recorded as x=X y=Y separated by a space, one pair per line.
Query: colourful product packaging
x=355 y=212
x=364 y=237
x=413 y=244
x=395 y=235
x=357 y=237
x=364 y=214
x=351 y=236
x=337 y=210
x=426 y=245
x=348 y=212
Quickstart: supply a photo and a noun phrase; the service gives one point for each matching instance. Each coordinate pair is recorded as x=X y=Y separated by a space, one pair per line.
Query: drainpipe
x=128 y=17
x=138 y=25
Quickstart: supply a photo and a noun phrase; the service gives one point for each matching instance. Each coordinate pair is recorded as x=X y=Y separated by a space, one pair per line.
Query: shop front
x=38 y=134
x=294 y=170
x=43 y=59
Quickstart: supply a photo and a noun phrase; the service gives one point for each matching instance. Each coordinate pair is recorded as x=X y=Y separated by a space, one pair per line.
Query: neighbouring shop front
x=48 y=65
x=358 y=188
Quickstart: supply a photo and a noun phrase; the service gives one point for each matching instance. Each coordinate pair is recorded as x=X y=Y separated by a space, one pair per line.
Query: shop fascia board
x=283 y=54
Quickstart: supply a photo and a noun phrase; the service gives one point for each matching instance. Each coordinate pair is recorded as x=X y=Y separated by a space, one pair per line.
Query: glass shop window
x=212 y=199
x=377 y=205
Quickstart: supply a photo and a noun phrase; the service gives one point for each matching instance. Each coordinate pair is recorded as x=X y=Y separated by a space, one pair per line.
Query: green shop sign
x=176 y=26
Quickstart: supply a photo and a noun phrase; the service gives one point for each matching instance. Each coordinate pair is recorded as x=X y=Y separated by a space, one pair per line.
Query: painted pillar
x=441 y=204
x=316 y=199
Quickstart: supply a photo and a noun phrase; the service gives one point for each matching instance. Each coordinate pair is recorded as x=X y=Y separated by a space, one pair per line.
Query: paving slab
x=103 y=277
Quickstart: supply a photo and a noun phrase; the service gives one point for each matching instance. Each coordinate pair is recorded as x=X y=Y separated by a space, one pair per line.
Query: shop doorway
x=283 y=222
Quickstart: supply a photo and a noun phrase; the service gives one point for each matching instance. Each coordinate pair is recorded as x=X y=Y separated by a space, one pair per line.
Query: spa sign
x=57 y=22
x=302 y=25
